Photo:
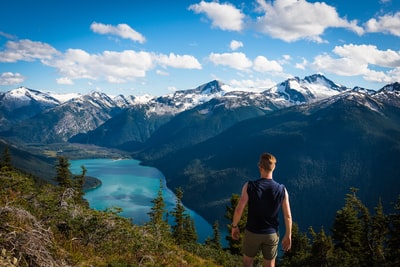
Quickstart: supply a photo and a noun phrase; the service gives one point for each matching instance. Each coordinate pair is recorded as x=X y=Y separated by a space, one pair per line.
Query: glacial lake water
x=128 y=185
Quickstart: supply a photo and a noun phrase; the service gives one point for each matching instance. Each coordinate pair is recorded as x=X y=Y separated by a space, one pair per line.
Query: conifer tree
x=299 y=254
x=157 y=220
x=321 y=249
x=215 y=240
x=79 y=181
x=6 y=162
x=235 y=245
x=63 y=174
x=348 y=233
x=393 y=245
x=379 y=231
x=190 y=235
x=183 y=231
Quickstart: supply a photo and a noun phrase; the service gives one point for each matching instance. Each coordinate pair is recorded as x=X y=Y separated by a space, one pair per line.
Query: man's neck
x=266 y=175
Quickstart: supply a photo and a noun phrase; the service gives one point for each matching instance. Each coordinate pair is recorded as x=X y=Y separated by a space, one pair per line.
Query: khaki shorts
x=267 y=243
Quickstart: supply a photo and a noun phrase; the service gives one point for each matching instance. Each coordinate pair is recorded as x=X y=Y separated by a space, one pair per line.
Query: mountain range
x=207 y=140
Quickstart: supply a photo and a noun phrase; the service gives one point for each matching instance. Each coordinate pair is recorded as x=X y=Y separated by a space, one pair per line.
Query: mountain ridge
x=210 y=137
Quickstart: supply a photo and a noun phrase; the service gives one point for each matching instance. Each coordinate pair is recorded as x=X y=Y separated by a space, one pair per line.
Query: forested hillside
x=51 y=225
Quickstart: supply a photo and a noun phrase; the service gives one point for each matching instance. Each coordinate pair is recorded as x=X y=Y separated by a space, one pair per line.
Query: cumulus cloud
x=64 y=81
x=262 y=64
x=291 y=20
x=240 y=61
x=112 y=66
x=235 y=45
x=9 y=78
x=121 y=30
x=235 y=60
x=27 y=50
x=366 y=60
x=223 y=16
x=386 y=24
x=178 y=61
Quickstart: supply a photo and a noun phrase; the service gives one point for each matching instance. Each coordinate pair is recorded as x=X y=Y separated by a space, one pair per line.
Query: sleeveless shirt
x=265 y=199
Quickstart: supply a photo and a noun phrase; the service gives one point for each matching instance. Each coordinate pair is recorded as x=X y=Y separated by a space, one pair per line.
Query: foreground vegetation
x=52 y=225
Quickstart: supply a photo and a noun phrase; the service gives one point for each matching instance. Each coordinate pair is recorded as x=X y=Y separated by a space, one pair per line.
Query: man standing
x=264 y=198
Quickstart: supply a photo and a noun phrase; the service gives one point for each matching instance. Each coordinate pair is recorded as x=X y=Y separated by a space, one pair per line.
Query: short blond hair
x=267 y=161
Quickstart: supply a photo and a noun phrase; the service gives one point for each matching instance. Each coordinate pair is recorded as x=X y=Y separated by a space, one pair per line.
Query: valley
x=328 y=138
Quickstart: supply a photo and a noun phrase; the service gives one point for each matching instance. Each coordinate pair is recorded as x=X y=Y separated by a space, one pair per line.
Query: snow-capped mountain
x=299 y=91
x=57 y=121
x=22 y=97
x=21 y=104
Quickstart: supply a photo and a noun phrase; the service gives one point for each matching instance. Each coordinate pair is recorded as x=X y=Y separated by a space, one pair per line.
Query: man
x=264 y=198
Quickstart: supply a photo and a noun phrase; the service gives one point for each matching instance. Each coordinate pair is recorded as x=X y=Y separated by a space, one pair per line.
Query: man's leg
x=247 y=261
x=269 y=263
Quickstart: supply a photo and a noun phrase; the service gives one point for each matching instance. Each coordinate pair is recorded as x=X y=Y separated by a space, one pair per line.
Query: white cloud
x=121 y=30
x=223 y=16
x=366 y=60
x=387 y=24
x=369 y=54
x=115 y=67
x=178 y=61
x=262 y=64
x=292 y=20
x=9 y=78
x=234 y=60
x=27 y=50
x=65 y=81
x=235 y=45
x=162 y=73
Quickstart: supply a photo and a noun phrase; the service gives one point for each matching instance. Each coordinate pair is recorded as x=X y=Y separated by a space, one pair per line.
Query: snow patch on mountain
x=23 y=96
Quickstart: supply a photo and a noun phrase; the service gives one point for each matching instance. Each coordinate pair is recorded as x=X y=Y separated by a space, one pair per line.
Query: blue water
x=132 y=187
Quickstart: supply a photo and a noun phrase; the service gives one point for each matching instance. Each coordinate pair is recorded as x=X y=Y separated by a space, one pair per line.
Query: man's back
x=265 y=199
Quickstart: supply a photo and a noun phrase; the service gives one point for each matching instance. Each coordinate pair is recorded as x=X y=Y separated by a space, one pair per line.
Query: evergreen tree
x=379 y=231
x=190 y=235
x=321 y=249
x=393 y=246
x=6 y=162
x=183 y=231
x=298 y=255
x=159 y=225
x=348 y=234
x=79 y=181
x=215 y=240
x=235 y=246
x=63 y=174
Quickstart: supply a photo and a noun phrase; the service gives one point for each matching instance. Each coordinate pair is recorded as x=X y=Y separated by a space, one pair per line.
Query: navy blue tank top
x=265 y=200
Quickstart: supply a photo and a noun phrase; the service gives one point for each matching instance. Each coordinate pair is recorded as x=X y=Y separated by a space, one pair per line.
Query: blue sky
x=155 y=47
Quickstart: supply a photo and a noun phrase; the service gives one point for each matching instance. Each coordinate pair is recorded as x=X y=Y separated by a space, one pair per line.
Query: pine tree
x=235 y=245
x=393 y=246
x=157 y=221
x=63 y=174
x=379 y=231
x=215 y=240
x=298 y=255
x=79 y=181
x=6 y=162
x=183 y=231
x=321 y=249
x=348 y=234
x=190 y=235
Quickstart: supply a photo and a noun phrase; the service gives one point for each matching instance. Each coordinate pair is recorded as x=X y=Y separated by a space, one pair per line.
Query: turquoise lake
x=128 y=185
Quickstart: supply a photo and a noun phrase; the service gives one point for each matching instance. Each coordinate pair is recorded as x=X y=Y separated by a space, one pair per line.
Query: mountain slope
x=66 y=120
x=322 y=149
x=23 y=103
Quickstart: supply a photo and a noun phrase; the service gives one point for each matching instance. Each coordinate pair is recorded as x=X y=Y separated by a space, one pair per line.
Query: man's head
x=267 y=162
